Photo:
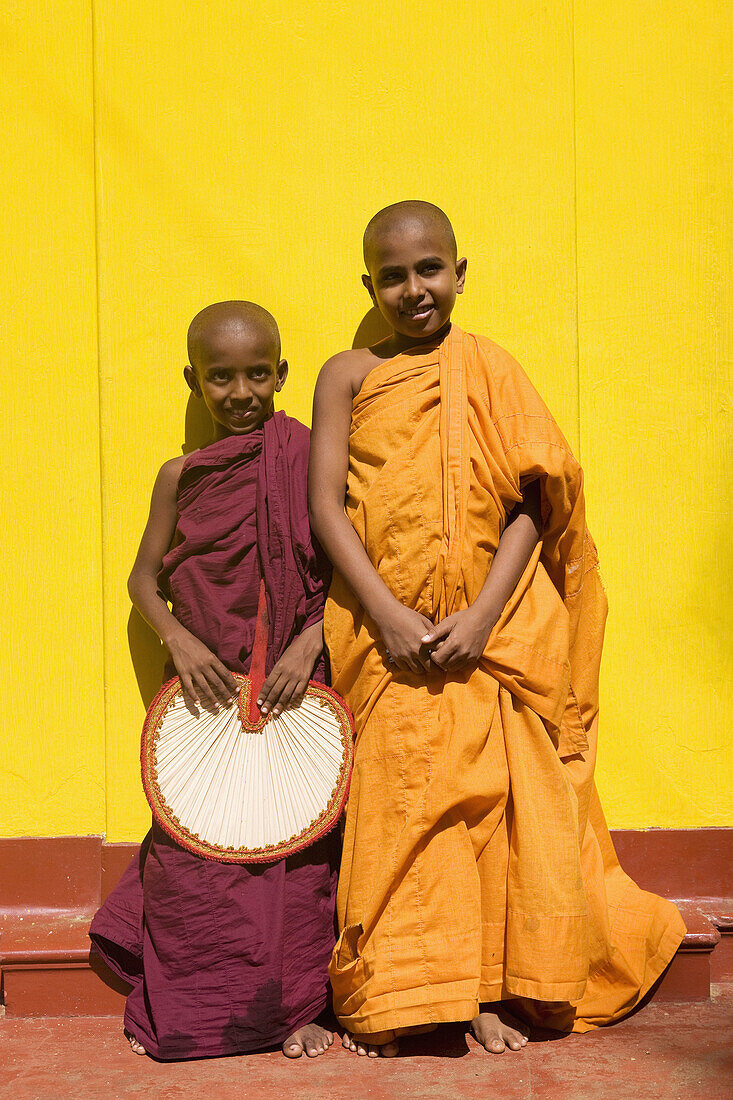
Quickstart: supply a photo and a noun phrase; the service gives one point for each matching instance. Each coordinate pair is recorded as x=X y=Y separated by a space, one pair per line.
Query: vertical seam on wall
x=575 y=224
x=100 y=453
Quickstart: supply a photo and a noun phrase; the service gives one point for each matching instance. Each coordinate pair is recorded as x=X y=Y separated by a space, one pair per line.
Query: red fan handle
x=259 y=656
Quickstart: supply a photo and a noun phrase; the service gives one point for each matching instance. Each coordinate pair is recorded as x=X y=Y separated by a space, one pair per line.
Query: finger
x=462 y=660
x=298 y=694
x=206 y=696
x=269 y=683
x=286 y=695
x=442 y=656
x=442 y=630
x=416 y=664
x=457 y=659
x=226 y=677
x=271 y=690
x=190 y=697
x=221 y=692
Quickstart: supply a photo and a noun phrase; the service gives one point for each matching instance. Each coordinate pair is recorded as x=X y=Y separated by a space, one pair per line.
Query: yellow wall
x=240 y=148
x=52 y=754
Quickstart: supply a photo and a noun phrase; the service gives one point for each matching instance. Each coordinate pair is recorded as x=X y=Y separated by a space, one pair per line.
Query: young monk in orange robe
x=464 y=626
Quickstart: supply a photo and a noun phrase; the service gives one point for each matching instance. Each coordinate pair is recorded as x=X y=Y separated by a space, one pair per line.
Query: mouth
x=418 y=313
x=240 y=415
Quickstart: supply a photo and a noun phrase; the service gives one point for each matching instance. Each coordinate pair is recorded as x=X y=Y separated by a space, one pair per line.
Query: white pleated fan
x=238 y=787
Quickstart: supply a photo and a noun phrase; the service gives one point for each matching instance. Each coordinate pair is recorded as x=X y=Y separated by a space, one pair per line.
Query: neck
x=398 y=342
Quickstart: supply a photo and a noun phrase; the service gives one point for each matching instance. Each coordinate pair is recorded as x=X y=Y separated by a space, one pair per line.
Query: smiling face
x=414 y=278
x=237 y=371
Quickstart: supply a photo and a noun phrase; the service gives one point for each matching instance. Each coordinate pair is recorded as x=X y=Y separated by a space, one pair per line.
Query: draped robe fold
x=227 y=958
x=477 y=864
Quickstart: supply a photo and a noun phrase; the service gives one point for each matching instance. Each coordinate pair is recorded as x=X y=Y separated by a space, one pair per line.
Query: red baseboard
x=678 y=863
x=50 y=887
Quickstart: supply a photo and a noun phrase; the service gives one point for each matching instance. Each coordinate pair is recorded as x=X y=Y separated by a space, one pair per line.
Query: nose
x=413 y=287
x=240 y=390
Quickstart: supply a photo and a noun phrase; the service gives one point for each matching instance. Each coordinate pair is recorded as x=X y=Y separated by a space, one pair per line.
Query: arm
x=204 y=678
x=461 y=638
x=401 y=628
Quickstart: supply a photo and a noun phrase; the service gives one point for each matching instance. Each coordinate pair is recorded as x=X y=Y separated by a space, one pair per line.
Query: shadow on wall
x=371 y=330
x=198 y=430
x=149 y=657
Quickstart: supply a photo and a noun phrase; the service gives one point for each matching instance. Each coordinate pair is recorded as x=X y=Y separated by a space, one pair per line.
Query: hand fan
x=239 y=787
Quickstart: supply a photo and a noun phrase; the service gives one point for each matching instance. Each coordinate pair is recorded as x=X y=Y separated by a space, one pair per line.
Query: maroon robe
x=227 y=958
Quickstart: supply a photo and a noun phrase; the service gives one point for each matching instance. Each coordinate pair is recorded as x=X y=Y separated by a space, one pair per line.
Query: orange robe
x=477 y=864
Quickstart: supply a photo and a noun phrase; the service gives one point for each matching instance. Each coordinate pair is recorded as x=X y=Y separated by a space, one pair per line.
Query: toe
x=496 y=1046
x=390 y=1050
x=135 y=1046
x=292 y=1048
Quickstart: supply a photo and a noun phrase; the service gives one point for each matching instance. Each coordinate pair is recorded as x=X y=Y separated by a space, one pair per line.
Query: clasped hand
x=414 y=643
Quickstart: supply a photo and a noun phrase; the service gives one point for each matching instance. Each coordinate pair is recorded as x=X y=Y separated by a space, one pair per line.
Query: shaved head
x=412 y=213
x=223 y=317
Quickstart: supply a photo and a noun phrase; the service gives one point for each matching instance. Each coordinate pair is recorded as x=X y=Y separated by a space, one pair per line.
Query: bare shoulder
x=344 y=372
x=167 y=480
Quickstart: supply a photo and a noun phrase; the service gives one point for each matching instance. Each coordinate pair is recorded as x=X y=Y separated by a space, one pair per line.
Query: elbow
x=132 y=585
x=315 y=519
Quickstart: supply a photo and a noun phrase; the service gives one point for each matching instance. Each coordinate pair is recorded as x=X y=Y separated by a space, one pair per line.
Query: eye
x=219 y=376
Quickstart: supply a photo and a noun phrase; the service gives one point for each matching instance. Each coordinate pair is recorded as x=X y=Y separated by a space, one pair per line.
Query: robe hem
x=654 y=969
x=103 y=935
x=440 y=1012
x=568 y=992
x=219 y=1049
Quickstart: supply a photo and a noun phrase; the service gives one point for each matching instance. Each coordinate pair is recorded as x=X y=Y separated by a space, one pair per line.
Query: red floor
x=681 y=1052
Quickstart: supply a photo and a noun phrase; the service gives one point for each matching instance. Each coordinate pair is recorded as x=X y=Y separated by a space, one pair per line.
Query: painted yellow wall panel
x=242 y=148
x=52 y=756
x=654 y=304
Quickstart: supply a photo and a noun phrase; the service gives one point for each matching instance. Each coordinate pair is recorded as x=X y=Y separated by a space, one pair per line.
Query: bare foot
x=496 y=1031
x=388 y=1049
x=137 y=1047
x=311 y=1040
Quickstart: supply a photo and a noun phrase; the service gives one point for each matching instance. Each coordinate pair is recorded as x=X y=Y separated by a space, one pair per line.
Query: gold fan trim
x=168 y=821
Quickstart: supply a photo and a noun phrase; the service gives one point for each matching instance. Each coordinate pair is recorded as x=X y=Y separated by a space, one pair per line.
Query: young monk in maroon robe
x=228 y=958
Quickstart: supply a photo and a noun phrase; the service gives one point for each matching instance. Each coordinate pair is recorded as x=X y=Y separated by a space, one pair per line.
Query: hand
x=287 y=683
x=458 y=640
x=403 y=632
x=205 y=680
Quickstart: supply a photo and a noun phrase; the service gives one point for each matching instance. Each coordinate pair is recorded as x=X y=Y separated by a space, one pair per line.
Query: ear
x=193 y=381
x=461 y=266
x=282 y=374
x=367 y=281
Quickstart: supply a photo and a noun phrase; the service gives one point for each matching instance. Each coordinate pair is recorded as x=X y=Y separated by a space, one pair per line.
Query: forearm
x=346 y=551
x=146 y=596
x=516 y=546
x=312 y=638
